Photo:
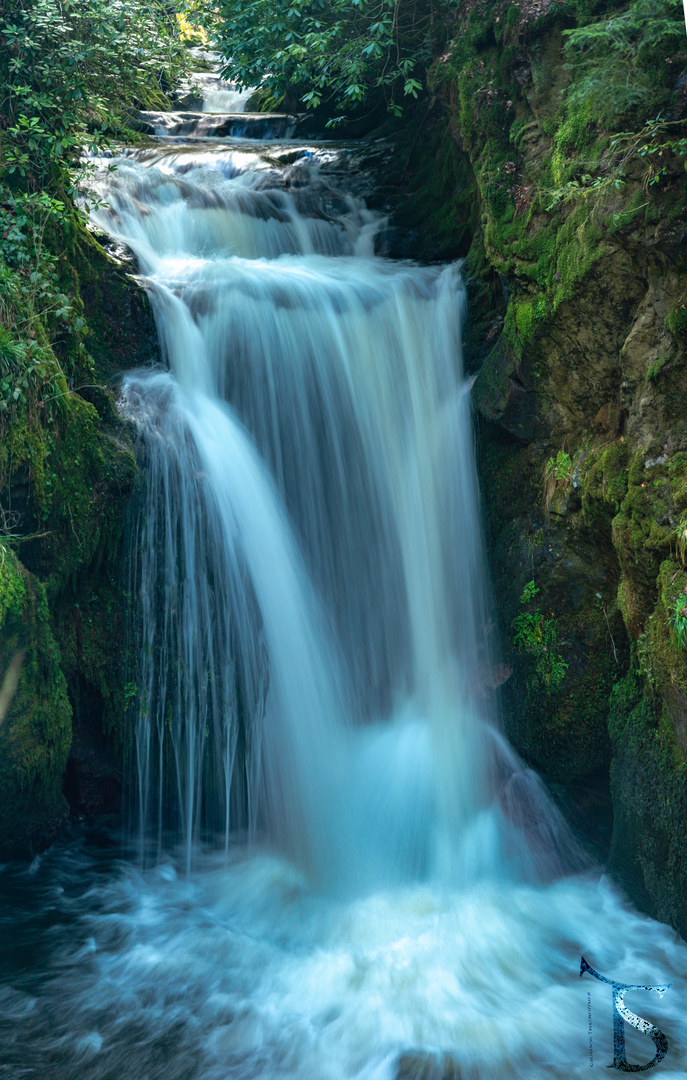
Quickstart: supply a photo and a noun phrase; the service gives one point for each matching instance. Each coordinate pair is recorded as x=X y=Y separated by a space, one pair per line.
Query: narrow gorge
x=341 y=602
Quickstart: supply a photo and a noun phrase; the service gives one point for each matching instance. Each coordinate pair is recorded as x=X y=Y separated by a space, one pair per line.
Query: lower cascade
x=340 y=867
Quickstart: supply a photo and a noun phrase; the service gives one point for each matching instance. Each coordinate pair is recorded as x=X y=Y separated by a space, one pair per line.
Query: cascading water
x=208 y=93
x=365 y=749
x=371 y=884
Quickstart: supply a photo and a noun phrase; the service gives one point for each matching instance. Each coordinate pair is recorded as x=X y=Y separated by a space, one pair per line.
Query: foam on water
x=243 y=970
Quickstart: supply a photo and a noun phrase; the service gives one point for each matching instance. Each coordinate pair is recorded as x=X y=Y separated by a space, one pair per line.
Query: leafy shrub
x=679 y=619
x=336 y=52
x=31 y=300
x=560 y=467
x=76 y=70
x=537 y=635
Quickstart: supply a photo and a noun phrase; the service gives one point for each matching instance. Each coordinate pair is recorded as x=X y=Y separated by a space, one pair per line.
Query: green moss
x=121 y=327
x=667 y=646
x=524 y=319
x=69 y=485
x=530 y=316
x=35 y=735
x=676 y=320
x=603 y=483
x=531 y=235
x=649 y=787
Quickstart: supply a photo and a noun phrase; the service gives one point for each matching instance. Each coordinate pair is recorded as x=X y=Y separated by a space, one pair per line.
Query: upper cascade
x=234 y=202
x=207 y=92
x=208 y=107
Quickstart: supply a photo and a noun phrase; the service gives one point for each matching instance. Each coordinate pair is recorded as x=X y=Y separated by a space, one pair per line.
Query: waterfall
x=308 y=553
x=337 y=868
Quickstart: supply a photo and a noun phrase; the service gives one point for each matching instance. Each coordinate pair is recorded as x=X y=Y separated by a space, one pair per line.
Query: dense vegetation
x=340 y=53
x=72 y=73
x=348 y=52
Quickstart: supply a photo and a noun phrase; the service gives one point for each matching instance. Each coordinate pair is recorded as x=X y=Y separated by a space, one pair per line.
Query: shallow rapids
x=337 y=867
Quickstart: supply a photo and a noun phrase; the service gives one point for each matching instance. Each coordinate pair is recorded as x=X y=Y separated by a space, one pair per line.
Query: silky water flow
x=342 y=869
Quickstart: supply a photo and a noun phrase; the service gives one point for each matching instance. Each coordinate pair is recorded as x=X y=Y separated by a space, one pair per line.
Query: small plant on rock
x=679 y=618
x=537 y=635
x=557 y=474
x=677 y=318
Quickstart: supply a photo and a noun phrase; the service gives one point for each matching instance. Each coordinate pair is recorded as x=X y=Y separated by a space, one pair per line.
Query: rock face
x=64 y=489
x=577 y=268
x=35 y=716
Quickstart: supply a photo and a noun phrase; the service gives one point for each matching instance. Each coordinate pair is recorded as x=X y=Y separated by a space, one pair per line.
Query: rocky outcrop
x=64 y=490
x=578 y=276
x=35 y=716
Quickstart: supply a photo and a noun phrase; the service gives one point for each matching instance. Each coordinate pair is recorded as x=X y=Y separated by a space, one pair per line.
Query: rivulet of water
x=338 y=868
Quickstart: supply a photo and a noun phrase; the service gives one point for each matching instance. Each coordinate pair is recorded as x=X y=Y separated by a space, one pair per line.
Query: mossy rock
x=649 y=785
x=69 y=486
x=103 y=283
x=439 y=208
x=559 y=725
x=35 y=730
x=66 y=475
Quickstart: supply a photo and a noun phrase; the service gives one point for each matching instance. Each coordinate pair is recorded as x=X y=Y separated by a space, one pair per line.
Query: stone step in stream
x=229 y=125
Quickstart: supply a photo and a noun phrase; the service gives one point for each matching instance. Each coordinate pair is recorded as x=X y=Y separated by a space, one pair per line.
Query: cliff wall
x=555 y=148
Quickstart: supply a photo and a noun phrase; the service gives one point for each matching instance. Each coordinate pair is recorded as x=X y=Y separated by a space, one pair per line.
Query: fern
x=619 y=61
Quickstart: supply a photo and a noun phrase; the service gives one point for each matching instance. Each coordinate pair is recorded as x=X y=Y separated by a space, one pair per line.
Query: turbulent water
x=337 y=868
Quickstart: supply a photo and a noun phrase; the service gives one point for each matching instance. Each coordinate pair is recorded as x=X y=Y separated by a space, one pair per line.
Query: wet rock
x=422 y=1065
x=609 y=419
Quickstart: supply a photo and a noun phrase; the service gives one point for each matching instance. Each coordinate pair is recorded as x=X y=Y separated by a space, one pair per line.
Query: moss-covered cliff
x=71 y=316
x=577 y=268
x=66 y=474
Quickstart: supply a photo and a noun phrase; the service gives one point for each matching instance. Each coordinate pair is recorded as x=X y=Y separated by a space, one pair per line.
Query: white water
x=369 y=755
x=315 y=677
x=216 y=94
x=222 y=97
